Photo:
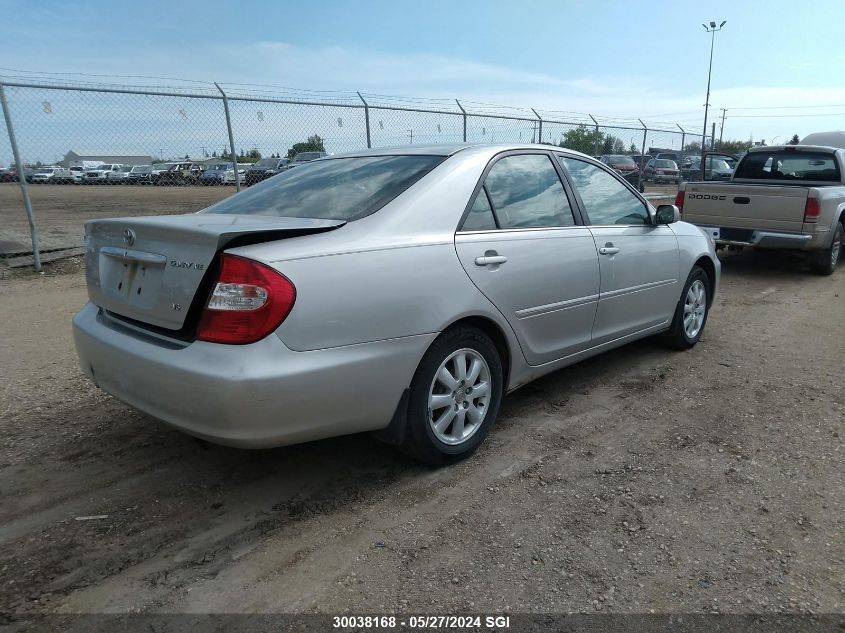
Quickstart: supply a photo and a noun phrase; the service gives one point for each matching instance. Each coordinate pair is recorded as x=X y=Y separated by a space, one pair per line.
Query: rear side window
x=480 y=216
x=333 y=189
x=785 y=165
x=526 y=192
x=607 y=200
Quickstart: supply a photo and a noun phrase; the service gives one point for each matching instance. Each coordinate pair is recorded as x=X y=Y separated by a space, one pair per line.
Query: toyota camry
x=401 y=292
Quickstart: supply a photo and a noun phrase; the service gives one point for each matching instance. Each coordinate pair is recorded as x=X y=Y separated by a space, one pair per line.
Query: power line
x=829 y=105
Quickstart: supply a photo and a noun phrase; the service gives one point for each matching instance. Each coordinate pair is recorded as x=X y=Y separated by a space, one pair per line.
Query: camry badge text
x=176 y=263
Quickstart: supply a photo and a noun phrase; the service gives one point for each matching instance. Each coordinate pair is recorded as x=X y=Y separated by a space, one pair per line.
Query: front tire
x=824 y=262
x=691 y=312
x=454 y=397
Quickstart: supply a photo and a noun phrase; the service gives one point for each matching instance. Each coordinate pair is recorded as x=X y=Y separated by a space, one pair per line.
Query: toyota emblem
x=128 y=237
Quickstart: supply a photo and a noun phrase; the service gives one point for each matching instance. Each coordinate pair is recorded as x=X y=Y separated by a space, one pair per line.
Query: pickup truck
x=779 y=197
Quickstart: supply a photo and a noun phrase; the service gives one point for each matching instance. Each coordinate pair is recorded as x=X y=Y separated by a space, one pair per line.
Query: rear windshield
x=621 y=160
x=334 y=189
x=669 y=164
x=784 y=165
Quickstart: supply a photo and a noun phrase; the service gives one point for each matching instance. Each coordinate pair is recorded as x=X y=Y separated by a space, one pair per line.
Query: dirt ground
x=642 y=480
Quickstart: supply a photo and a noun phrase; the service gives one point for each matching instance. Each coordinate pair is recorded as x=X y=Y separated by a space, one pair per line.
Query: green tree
x=734 y=146
x=612 y=145
x=582 y=139
x=794 y=140
x=313 y=144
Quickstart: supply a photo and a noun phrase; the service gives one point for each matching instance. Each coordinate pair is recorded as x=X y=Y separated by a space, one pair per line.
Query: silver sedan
x=401 y=291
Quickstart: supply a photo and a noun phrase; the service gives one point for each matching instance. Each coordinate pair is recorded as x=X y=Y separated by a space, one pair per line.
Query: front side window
x=526 y=192
x=333 y=189
x=606 y=199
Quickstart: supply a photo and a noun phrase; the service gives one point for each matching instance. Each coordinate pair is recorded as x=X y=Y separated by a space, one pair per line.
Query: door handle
x=487 y=260
x=608 y=250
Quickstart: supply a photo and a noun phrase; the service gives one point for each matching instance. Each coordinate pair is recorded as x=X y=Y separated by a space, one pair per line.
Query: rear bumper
x=253 y=396
x=769 y=239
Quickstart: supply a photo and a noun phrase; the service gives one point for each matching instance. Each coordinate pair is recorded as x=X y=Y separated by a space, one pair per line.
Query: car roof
x=452 y=149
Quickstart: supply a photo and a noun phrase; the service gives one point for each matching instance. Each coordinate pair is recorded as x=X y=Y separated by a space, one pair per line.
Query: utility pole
x=712 y=30
x=411 y=132
x=722 y=127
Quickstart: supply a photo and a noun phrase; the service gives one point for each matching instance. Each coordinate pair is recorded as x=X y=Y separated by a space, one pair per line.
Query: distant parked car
x=229 y=176
x=7 y=175
x=641 y=159
x=77 y=173
x=215 y=174
x=306 y=157
x=667 y=156
x=265 y=168
x=100 y=175
x=51 y=175
x=140 y=175
x=625 y=165
x=180 y=174
x=119 y=176
x=661 y=170
x=717 y=168
x=158 y=169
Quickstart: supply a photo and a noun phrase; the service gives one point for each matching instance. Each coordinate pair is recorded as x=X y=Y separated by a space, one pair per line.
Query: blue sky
x=776 y=62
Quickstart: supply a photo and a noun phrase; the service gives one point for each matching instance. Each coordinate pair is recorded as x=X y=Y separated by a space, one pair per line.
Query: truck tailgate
x=762 y=207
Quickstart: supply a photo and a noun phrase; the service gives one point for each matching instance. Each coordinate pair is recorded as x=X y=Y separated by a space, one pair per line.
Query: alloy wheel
x=695 y=308
x=459 y=396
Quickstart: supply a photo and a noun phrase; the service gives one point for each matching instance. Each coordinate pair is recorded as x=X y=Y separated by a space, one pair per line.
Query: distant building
x=86 y=159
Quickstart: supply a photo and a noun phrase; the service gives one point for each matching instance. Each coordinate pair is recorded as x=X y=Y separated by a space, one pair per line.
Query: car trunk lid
x=149 y=269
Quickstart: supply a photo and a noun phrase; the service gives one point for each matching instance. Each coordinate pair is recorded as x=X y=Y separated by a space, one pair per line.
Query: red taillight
x=679 y=201
x=249 y=301
x=812 y=210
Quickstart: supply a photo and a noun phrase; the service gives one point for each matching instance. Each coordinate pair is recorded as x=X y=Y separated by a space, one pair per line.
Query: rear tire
x=454 y=397
x=824 y=262
x=691 y=312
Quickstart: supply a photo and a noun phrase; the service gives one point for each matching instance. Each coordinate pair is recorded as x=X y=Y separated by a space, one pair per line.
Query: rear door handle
x=487 y=260
x=608 y=250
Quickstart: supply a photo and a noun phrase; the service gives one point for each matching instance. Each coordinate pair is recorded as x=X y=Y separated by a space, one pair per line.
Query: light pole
x=712 y=30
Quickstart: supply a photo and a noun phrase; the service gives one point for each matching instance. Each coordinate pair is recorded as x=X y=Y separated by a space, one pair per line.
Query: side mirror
x=667 y=214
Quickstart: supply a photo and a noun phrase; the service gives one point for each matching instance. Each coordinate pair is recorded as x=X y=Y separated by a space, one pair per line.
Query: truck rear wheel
x=824 y=262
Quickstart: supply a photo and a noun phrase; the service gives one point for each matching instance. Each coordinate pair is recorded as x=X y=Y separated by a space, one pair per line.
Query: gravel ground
x=641 y=480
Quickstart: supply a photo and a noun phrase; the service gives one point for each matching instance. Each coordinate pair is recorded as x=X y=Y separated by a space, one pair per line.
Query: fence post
x=464 y=112
x=645 y=134
x=33 y=230
x=683 y=139
x=539 y=126
x=596 y=149
x=231 y=137
x=366 y=118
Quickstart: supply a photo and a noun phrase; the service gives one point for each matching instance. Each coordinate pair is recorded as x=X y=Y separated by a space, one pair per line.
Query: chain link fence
x=80 y=133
